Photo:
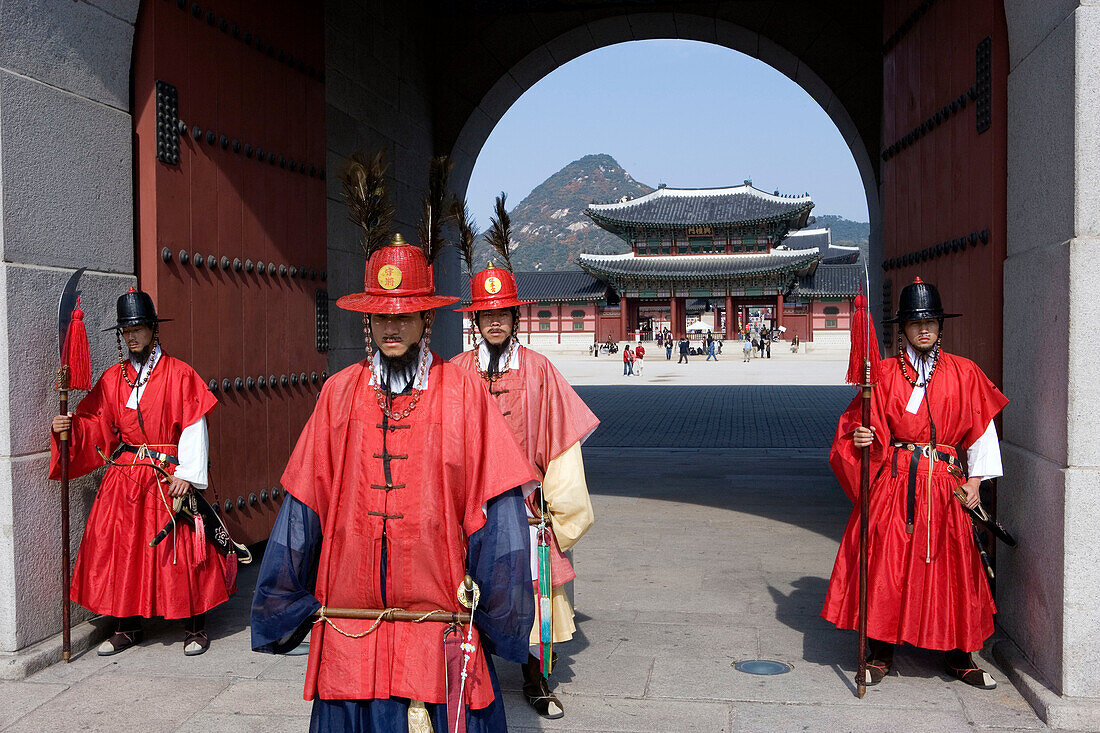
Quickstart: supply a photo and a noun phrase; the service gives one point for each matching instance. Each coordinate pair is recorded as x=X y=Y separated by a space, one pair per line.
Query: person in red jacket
x=639 y=360
x=550 y=422
x=146 y=416
x=405 y=479
x=926 y=583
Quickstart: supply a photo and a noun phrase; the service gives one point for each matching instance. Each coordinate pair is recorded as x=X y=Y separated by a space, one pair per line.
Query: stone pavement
x=818 y=367
x=717 y=523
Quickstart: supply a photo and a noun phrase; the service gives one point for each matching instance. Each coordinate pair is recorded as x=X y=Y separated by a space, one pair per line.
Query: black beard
x=142 y=356
x=495 y=353
x=923 y=353
x=400 y=363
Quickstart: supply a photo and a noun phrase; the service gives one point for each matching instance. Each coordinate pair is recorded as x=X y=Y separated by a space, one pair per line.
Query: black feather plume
x=467 y=233
x=499 y=235
x=367 y=199
x=435 y=211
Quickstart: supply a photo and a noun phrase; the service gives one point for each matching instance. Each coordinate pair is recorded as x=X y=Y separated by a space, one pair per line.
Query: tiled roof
x=570 y=286
x=831 y=280
x=818 y=239
x=695 y=267
x=839 y=255
x=701 y=206
x=822 y=241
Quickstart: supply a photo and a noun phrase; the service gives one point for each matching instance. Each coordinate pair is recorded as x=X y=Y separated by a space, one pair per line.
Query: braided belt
x=378 y=615
x=144 y=451
x=917 y=450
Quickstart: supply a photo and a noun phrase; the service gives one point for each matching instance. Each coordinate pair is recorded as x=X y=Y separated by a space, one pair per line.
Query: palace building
x=726 y=256
x=741 y=254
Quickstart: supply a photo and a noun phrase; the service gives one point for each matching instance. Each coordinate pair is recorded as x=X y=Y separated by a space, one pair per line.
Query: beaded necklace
x=905 y=371
x=421 y=371
x=490 y=378
x=142 y=380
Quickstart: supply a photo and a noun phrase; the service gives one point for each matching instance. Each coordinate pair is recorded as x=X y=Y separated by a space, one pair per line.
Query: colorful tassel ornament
x=198 y=549
x=76 y=354
x=864 y=343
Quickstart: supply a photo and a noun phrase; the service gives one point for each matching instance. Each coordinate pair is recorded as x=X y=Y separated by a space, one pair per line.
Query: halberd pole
x=864 y=504
x=63 y=440
x=72 y=346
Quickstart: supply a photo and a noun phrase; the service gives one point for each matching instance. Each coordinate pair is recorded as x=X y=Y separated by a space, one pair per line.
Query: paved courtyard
x=717 y=524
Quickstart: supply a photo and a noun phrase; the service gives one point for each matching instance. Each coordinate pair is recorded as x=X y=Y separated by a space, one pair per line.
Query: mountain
x=549 y=226
x=846 y=232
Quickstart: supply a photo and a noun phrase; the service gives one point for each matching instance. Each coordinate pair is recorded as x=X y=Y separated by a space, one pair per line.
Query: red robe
x=116 y=572
x=441 y=479
x=945 y=603
x=546 y=417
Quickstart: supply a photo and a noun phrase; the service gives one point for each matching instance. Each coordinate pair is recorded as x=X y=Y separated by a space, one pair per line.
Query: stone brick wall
x=1051 y=490
x=378 y=98
x=65 y=202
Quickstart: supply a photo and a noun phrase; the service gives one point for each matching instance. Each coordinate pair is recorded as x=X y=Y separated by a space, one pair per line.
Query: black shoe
x=876 y=670
x=119 y=641
x=195 y=643
x=539 y=697
x=973 y=676
x=880 y=660
x=961 y=666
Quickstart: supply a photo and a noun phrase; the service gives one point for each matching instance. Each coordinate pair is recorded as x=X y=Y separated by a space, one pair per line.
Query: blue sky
x=684 y=113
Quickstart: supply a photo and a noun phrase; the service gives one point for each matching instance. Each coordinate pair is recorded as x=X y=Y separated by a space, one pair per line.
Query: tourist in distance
x=404 y=481
x=145 y=418
x=685 y=345
x=926 y=582
x=639 y=360
x=668 y=347
x=550 y=422
x=711 y=349
x=746 y=349
x=628 y=360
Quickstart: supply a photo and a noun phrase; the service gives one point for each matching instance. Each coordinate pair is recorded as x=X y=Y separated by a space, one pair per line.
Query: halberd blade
x=65 y=308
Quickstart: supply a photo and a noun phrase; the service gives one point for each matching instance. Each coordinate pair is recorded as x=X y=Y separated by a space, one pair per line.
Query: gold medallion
x=389 y=277
x=492 y=285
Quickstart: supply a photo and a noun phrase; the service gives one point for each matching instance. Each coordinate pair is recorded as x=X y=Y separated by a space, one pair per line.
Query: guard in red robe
x=550 y=421
x=932 y=433
x=405 y=479
x=147 y=416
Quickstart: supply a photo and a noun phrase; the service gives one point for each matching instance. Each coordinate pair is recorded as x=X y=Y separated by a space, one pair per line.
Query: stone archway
x=465 y=141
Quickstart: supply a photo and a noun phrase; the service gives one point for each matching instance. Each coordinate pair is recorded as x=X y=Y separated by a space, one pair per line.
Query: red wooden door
x=229 y=157
x=944 y=163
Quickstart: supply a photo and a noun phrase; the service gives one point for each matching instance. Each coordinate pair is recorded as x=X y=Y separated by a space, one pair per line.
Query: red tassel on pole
x=198 y=538
x=864 y=342
x=75 y=354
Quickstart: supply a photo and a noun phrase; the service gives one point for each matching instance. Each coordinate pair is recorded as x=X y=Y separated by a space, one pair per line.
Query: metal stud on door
x=211 y=102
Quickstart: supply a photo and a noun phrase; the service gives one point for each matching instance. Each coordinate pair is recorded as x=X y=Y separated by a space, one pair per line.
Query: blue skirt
x=392 y=714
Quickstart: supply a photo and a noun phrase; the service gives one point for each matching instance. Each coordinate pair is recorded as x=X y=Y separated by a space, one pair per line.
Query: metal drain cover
x=762 y=666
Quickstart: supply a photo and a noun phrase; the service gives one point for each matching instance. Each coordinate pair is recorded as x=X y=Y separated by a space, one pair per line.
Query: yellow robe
x=570 y=508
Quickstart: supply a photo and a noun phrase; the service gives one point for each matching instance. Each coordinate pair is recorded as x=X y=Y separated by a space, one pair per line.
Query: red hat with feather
x=398 y=279
x=493 y=288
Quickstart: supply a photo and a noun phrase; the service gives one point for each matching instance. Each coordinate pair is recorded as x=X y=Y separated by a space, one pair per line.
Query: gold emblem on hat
x=492 y=285
x=389 y=276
